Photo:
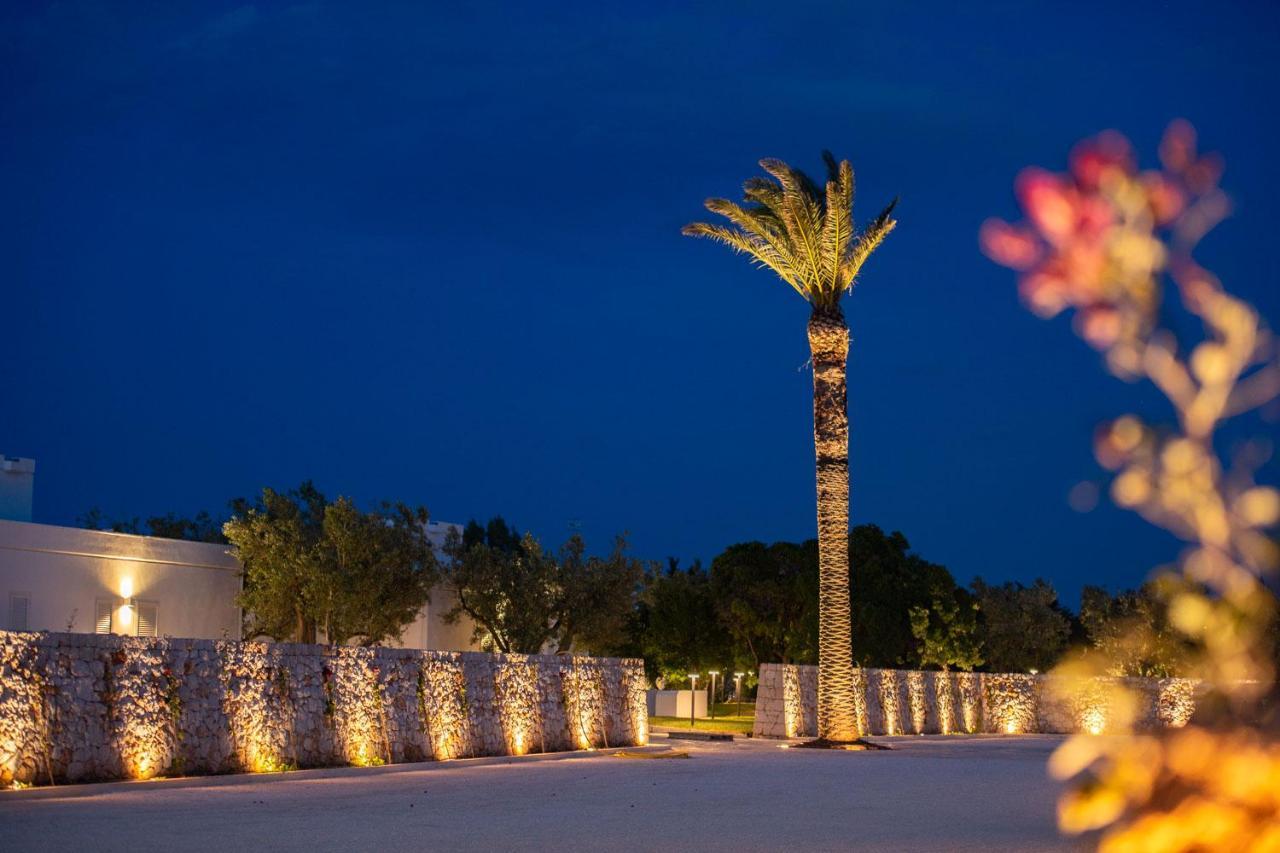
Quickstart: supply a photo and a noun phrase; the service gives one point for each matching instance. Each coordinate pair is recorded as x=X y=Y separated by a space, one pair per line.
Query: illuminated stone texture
x=78 y=707
x=894 y=702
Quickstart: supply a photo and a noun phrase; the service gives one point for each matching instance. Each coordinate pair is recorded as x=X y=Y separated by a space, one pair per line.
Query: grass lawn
x=727 y=719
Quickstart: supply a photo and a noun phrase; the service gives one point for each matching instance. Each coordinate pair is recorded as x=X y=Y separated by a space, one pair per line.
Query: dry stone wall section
x=895 y=702
x=82 y=707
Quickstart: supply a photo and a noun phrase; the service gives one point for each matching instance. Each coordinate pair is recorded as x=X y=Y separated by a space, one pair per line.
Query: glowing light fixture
x=1094 y=719
x=126 y=587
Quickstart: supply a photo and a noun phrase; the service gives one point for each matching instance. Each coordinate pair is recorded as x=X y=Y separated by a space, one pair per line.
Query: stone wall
x=893 y=702
x=80 y=707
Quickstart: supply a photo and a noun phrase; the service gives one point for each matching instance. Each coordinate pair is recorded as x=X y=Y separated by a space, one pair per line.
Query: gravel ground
x=929 y=793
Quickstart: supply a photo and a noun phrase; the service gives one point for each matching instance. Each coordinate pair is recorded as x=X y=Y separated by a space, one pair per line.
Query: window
x=147 y=611
x=102 y=615
x=19 y=611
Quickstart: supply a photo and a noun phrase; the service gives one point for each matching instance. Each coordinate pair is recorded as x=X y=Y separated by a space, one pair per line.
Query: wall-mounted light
x=126 y=587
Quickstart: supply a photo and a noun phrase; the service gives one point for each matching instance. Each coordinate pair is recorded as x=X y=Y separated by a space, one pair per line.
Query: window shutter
x=102 y=615
x=146 y=611
x=19 y=612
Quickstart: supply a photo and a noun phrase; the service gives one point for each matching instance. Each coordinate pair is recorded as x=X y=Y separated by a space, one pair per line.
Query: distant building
x=17 y=477
x=91 y=581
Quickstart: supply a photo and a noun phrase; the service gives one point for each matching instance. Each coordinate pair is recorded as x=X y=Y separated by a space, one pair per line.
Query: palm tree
x=806 y=236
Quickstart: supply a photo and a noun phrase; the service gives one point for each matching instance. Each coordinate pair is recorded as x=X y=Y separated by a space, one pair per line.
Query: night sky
x=433 y=255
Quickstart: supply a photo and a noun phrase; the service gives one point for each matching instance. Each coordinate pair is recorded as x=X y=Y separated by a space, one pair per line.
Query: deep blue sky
x=433 y=255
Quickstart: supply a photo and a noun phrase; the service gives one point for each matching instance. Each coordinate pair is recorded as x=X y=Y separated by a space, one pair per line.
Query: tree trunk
x=829 y=345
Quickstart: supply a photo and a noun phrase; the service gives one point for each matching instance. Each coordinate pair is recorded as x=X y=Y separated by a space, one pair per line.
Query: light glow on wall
x=445 y=697
x=516 y=686
x=1094 y=719
x=969 y=701
x=1176 y=702
x=583 y=690
x=634 y=684
x=126 y=587
x=791 y=701
x=917 y=700
x=945 y=699
x=889 y=701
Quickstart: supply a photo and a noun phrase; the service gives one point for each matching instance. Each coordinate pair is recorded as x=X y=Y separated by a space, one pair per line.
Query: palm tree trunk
x=829 y=345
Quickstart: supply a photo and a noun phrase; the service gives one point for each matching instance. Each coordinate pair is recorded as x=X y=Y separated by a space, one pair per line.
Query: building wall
x=430 y=631
x=896 y=702
x=79 y=707
x=63 y=572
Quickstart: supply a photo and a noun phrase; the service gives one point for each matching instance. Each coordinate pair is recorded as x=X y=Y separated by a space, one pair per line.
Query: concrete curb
x=89 y=789
x=677 y=734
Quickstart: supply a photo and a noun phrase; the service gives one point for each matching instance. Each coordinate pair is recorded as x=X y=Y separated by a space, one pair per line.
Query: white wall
x=675 y=703
x=65 y=570
x=429 y=630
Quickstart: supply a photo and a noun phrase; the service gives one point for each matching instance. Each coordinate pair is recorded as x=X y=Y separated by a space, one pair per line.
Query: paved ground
x=928 y=794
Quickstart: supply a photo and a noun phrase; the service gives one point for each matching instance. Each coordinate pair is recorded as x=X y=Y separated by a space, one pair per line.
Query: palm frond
x=758 y=220
x=804 y=233
x=801 y=216
x=837 y=228
x=756 y=249
x=867 y=242
x=833 y=168
x=760 y=223
x=766 y=193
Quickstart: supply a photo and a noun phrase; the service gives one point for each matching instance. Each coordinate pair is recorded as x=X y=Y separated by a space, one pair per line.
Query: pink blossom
x=1166 y=198
x=1092 y=159
x=1100 y=325
x=1009 y=245
x=1050 y=203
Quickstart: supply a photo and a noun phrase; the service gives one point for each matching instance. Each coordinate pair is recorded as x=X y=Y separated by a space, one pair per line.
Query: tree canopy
x=202 y=527
x=523 y=598
x=1022 y=627
x=678 y=626
x=766 y=596
x=762 y=601
x=312 y=567
x=888 y=579
x=946 y=632
x=1131 y=630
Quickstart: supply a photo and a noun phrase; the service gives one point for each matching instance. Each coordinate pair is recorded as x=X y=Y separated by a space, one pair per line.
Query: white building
x=67 y=579
x=91 y=581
